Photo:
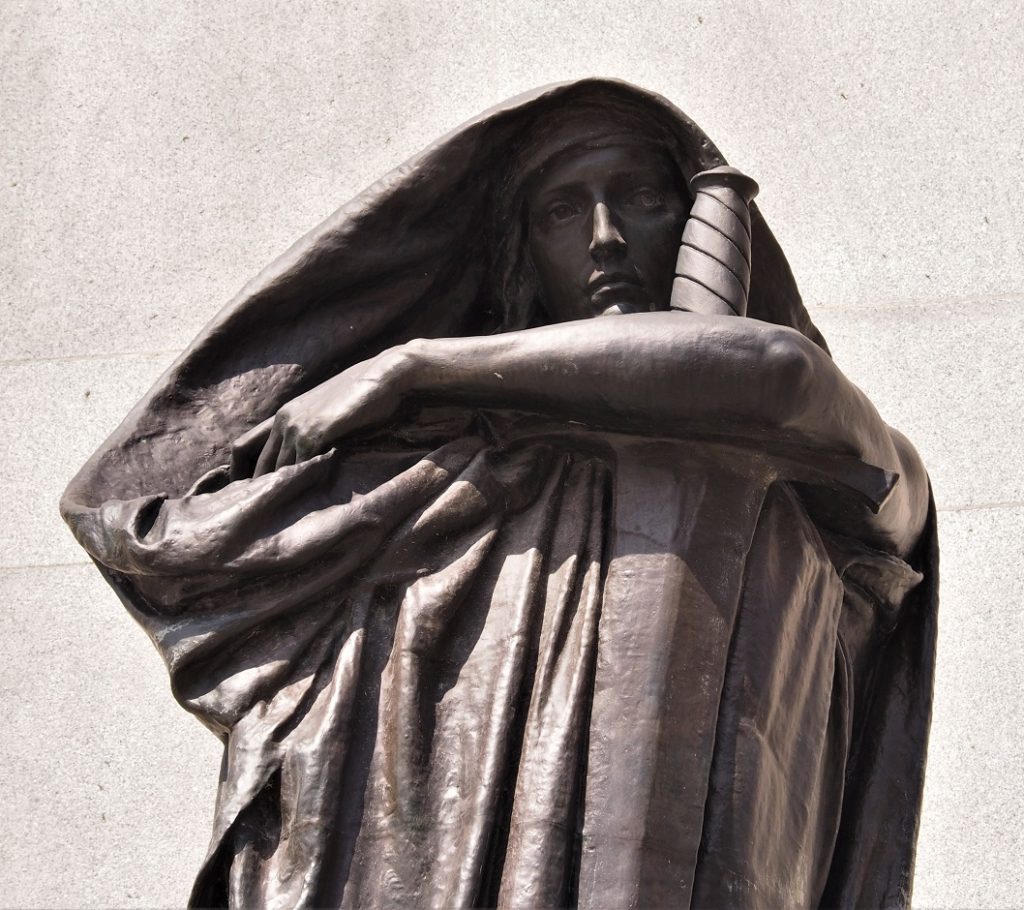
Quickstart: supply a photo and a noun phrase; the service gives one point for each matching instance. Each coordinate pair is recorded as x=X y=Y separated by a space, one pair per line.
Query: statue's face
x=604 y=230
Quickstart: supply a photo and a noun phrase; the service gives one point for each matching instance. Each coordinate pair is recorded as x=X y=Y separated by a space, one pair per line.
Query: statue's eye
x=561 y=211
x=646 y=198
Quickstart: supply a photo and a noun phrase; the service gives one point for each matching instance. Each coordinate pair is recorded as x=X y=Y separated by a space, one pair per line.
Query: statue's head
x=590 y=213
x=603 y=226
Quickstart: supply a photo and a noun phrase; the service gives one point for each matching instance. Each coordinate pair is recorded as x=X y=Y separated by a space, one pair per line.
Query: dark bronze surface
x=495 y=603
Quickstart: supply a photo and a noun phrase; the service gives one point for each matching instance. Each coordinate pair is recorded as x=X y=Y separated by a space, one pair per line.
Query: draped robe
x=487 y=658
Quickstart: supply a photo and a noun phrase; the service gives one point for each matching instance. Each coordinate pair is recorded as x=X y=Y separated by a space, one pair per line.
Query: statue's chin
x=623 y=309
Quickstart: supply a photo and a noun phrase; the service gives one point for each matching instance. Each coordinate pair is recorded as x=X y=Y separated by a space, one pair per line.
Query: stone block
x=53 y=415
x=109 y=785
x=973 y=819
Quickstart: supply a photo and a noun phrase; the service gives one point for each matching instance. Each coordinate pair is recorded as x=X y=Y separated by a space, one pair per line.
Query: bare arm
x=656 y=373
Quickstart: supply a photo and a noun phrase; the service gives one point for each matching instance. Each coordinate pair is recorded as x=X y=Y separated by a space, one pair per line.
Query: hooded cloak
x=483 y=658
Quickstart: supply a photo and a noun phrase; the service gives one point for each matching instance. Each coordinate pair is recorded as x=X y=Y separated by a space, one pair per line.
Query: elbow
x=913 y=504
x=790 y=371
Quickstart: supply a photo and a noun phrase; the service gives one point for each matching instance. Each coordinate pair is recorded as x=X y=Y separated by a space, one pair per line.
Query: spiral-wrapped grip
x=713 y=267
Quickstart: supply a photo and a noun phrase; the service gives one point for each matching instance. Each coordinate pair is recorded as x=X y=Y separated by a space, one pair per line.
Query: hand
x=365 y=395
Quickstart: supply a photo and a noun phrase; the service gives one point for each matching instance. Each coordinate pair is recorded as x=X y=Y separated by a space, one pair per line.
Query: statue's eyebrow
x=642 y=173
x=574 y=187
x=645 y=173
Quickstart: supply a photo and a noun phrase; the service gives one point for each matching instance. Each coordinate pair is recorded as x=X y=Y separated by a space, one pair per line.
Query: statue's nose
x=607 y=241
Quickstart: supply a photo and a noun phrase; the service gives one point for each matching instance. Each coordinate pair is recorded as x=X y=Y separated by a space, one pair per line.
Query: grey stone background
x=154 y=156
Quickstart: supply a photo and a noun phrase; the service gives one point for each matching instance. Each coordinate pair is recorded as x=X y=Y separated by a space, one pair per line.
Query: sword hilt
x=713 y=267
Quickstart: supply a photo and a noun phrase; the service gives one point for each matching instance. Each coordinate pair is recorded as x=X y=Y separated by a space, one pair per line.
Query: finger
x=308 y=446
x=267 y=461
x=285 y=455
x=246 y=449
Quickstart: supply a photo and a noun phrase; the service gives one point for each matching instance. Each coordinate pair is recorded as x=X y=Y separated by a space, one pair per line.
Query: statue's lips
x=603 y=290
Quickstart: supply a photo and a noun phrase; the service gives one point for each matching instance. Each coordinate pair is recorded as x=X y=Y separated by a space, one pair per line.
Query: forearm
x=667 y=374
x=658 y=373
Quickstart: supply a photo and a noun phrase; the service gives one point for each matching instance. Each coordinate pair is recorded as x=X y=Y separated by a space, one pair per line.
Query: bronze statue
x=494 y=603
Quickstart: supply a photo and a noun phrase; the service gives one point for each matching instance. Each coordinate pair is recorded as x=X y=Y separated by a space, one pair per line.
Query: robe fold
x=485 y=659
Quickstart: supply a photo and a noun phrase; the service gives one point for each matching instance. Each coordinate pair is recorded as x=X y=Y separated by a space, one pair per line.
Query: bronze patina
x=524 y=546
